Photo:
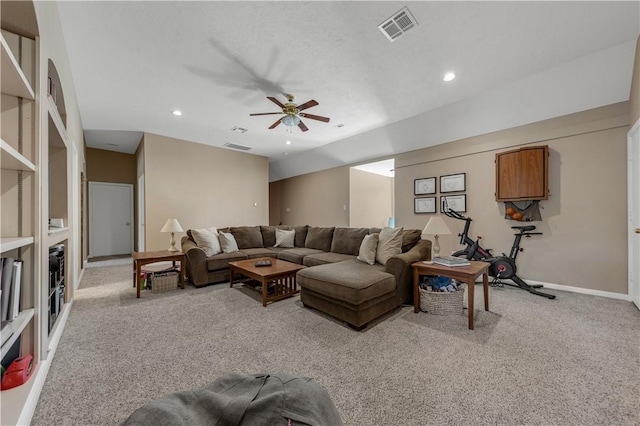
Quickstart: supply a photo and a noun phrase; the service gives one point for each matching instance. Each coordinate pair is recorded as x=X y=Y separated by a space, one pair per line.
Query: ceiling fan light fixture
x=291 y=120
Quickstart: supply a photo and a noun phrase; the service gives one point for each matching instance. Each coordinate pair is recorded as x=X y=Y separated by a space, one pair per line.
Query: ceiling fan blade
x=302 y=126
x=266 y=113
x=275 y=101
x=315 y=117
x=274 y=125
x=307 y=104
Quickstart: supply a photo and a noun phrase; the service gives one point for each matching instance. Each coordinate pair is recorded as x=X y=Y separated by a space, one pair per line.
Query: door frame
x=91 y=224
x=633 y=192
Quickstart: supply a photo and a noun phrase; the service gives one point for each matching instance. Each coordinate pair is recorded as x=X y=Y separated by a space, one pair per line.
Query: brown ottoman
x=351 y=291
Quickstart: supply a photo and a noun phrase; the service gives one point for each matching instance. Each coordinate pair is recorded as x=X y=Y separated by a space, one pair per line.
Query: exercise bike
x=500 y=267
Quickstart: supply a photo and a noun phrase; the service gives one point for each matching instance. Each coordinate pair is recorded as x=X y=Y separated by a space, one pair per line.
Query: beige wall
x=584 y=220
x=110 y=166
x=201 y=186
x=635 y=86
x=370 y=199
x=318 y=199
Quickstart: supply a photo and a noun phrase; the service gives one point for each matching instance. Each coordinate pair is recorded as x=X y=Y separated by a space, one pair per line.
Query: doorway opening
x=372 y=195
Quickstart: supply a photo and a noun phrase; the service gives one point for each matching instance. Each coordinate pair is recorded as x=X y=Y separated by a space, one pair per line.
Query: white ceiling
x=135 y=62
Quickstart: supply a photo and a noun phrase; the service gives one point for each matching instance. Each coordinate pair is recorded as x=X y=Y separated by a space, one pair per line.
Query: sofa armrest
x=400 y=266
x=196 y=262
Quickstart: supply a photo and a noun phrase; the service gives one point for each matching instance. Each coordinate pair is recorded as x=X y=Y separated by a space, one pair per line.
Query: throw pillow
x=285 y=238
x=368 y=249
x=389 y=244
x=207 y=240
x=227 y=242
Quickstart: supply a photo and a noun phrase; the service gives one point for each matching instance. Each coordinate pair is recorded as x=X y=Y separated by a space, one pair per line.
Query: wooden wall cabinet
x=523 y=174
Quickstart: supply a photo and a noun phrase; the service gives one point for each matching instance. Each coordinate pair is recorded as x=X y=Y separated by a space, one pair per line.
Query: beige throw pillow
x=227 y=242
x=207 y=240
x=368 y=249
x=389 y=244
x=285 y=238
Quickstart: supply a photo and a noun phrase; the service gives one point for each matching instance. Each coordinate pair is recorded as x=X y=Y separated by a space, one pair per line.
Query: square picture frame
x=422 y=205
x=453 y=183
x=424 y=186
x=457 y=203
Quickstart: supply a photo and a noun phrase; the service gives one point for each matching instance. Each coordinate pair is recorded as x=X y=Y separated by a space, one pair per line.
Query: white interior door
x=110 y=219
x=633 y=143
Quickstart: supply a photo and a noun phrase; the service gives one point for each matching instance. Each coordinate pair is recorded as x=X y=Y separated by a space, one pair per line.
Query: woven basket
x=165 y=282
x=443 y=303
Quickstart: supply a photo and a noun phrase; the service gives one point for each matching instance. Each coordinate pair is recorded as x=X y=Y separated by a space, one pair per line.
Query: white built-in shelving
x=14 y=82
x=13 y=160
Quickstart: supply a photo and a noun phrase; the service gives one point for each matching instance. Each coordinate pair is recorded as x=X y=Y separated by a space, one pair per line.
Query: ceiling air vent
x=398 y=24
x=239 y=147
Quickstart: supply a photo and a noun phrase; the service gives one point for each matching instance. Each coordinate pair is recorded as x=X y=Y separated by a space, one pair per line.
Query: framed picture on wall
x=424 y=205
x=456 y=203
x=453 y=183
x=424 y=186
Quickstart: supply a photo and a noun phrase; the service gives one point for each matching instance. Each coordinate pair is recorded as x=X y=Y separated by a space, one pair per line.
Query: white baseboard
x=609 y=294
x=43 y=370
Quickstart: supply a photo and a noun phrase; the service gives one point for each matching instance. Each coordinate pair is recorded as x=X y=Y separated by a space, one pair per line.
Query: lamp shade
x=172 y=225
x=436 y=226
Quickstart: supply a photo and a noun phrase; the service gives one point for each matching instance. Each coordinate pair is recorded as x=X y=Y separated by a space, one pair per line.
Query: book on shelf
x=451 y=261
x=5 y=284
x=16 y=289
x=11 y=288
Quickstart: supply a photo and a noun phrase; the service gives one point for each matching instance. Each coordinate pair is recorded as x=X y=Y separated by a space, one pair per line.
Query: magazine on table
x=451 y=261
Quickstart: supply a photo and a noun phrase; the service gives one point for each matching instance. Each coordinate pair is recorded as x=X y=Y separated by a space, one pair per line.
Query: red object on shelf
x=18 y=372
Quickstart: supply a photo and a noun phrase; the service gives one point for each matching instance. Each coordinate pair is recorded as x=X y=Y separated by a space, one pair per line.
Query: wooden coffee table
x=280 y=277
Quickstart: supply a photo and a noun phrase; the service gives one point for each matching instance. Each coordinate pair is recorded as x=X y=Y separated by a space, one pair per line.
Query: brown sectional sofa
x=334 y=282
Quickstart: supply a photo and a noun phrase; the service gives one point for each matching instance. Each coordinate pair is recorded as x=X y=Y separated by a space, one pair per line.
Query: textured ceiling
x=135 y=62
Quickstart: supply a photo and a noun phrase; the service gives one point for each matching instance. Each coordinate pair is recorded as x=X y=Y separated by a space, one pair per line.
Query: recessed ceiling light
x=238 y=129
x=288 y=142
x=176 y=112
x=449 y=76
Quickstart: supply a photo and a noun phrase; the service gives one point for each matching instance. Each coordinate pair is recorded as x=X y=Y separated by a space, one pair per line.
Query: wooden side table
x=467 y=274
x=145 y=257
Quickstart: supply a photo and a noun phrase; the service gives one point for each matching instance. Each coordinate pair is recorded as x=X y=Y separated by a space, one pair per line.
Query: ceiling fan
x=292 y=113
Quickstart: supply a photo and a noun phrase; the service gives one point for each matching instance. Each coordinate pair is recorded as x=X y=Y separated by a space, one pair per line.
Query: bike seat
x=524 y=228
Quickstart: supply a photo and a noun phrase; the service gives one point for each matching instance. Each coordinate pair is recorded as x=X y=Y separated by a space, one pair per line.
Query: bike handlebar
x=455 y=215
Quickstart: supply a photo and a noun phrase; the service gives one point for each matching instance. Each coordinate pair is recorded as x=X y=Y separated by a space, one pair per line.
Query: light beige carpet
x=573 y=360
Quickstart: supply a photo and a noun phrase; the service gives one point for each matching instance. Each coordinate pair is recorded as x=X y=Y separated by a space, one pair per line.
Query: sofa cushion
x=227 y=242
x=207 y=240
x=324 y=258
x=351 y=281
x=253 y=253
x=221 y=261
x=296 y=255
x=348 y=240
x=410 y=238
x=368 y=249
x=389 y=244
x=301 y=235
x=319 y=238
x=247 y=236
x=269 y=234
x=285 y=238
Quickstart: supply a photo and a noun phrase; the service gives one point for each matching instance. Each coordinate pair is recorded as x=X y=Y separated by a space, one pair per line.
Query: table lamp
x=436 y=226
x=172 y=226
